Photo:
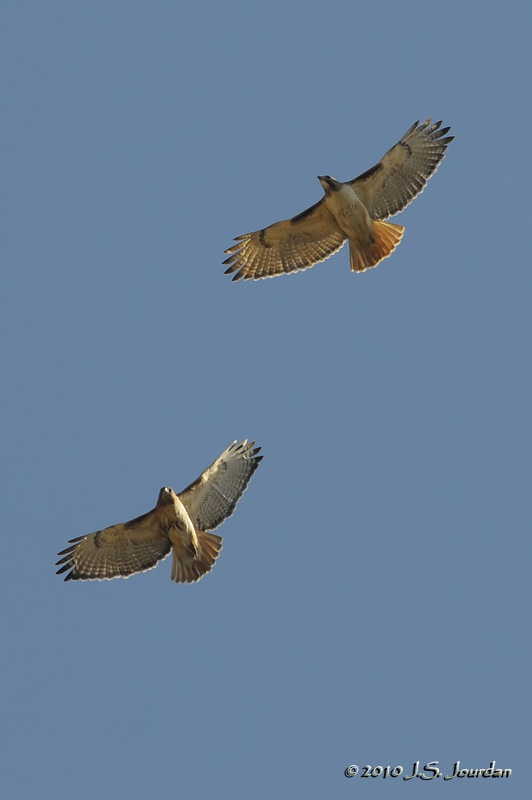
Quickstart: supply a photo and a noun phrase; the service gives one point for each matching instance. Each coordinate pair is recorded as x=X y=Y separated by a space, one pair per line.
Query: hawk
x=353 y=211
x=179 y=523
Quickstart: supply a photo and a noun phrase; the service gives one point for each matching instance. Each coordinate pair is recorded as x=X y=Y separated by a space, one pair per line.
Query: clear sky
x=372 y=601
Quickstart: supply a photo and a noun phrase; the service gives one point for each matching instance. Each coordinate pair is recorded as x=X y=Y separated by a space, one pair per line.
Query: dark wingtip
x=255 y=453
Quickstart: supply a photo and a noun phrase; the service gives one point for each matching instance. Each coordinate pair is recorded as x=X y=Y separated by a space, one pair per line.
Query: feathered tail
x=387 y=237
x=187 y=569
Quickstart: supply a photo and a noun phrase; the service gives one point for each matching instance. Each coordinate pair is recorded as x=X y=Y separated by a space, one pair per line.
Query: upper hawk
x=178 y=523
x=351 y=211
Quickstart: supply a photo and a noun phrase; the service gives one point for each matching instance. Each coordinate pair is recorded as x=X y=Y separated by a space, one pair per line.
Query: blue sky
x=371 y=604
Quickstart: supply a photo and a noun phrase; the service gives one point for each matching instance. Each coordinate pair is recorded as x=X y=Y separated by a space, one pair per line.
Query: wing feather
x=293 y=244
x=403 y=172
x=118 y=551
x=212 y=498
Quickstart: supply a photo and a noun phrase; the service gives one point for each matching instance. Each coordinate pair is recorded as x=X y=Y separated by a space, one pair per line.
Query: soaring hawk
x=353 y=211
x=178 y=523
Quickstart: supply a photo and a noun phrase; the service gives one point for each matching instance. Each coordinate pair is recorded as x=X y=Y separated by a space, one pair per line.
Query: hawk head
x=166 y=496
x=329 y=184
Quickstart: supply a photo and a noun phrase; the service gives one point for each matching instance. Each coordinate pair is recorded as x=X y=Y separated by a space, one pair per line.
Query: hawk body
x=179 y=523
x=354 y=211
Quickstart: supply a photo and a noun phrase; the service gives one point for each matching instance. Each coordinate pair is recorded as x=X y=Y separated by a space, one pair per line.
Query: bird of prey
x=179 y=523
x=354 y=211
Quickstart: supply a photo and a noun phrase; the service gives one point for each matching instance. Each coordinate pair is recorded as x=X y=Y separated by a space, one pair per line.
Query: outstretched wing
x=287 y=246
x=214 y=495
x=118 y=551
x=402 y=174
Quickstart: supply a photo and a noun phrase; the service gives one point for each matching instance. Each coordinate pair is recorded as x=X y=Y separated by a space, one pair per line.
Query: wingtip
x=63 y=569
x=247 y=447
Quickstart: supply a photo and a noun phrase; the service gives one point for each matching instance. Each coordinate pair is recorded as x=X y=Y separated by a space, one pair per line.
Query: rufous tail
x=187 y=569
x=387 y=237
